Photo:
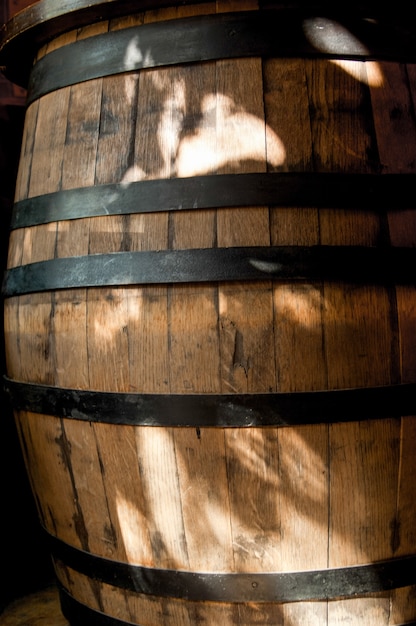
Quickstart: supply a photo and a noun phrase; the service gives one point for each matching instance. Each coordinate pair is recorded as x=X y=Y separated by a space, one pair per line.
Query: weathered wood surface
x=221 y=500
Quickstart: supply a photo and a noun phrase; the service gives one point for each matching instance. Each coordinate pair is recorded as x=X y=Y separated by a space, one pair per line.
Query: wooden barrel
x=210 y=311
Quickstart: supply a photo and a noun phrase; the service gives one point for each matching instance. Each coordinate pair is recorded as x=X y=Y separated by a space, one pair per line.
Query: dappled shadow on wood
x=220 y=500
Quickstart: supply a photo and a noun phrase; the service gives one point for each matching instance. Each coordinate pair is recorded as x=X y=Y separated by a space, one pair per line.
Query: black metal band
x=327 y=584
x=362 y=191
x=215 y=410
x=217 y=36
x=384 y=33
x=79 y=614
x=345 y=263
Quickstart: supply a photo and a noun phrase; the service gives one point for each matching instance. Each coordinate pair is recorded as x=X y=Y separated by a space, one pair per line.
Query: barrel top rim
x=35 y=25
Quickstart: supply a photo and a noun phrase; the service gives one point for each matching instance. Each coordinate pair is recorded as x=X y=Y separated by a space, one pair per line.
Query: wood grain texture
x=212 y=499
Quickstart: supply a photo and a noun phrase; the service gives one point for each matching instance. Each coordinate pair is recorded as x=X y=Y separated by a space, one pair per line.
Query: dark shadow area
x=26 y=564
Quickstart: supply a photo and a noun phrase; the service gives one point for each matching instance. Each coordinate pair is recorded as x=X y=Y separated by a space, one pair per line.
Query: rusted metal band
x=215 y=410
x=213 y=37
x=357 y=264
x=370 y=192
x=326 y=584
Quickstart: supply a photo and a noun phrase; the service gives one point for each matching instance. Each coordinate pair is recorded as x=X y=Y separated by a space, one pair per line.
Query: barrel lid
x=29 y=29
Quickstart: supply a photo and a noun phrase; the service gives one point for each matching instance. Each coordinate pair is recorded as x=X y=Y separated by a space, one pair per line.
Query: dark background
x=25 y=561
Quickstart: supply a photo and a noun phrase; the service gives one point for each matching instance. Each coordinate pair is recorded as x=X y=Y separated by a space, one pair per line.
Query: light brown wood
x=214 y=499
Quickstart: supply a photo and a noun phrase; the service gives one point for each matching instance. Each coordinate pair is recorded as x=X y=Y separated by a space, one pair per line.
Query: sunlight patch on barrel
x=133 y=174
x=300 y=303
x=368 y=73
x=110 y=321
x=208 y=538
x=133 y=526
x=32 y=252
x=171 y=121
x=375 y=76
x=130 y=87
x=268 y=529
x=161 y=493
x=327 y=35
x=268 y=267
x=134 y=56
x=198 y=154
x=110 y=324
x=331 y=37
